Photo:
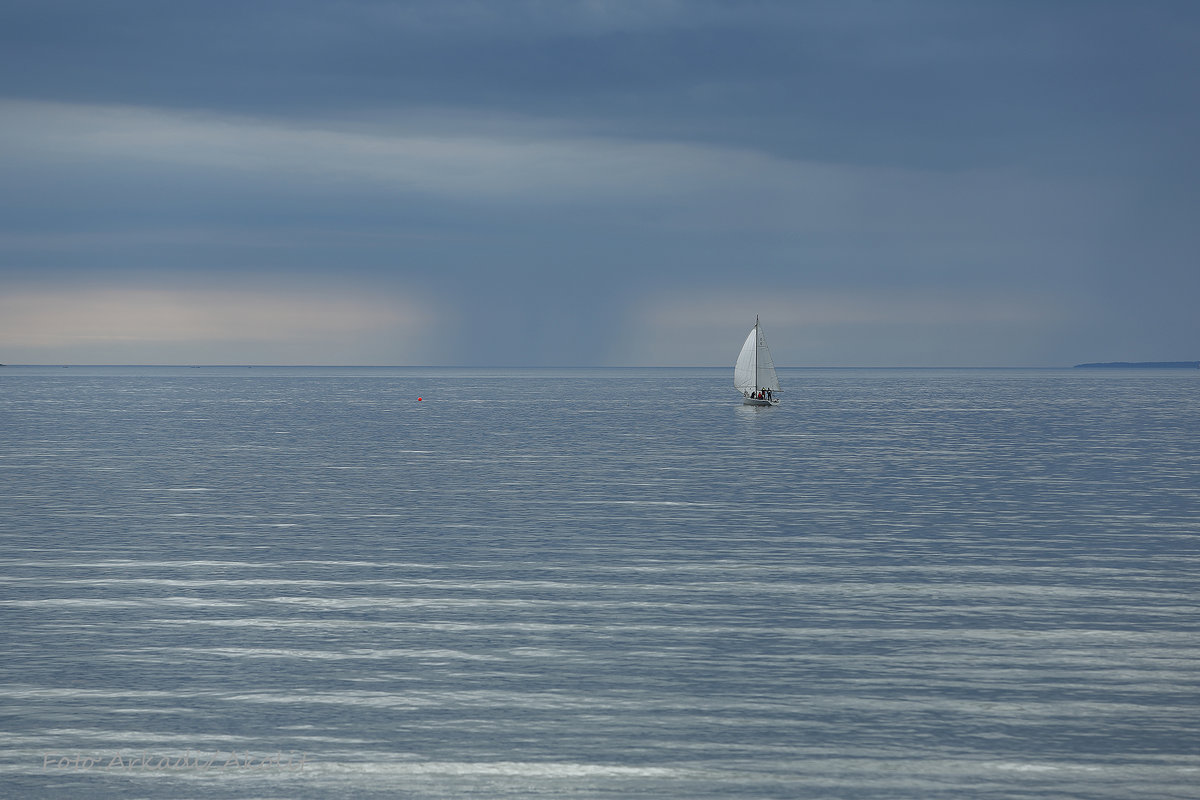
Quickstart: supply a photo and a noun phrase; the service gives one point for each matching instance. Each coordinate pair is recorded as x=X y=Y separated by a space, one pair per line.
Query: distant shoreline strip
x=1141 y=365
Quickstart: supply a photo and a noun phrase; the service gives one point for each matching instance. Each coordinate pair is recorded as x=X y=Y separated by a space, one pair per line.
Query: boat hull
x=753 y=401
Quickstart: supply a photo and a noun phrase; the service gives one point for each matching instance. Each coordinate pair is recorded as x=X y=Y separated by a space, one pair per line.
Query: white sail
x=746 y=370
x=767 y=378
x=754 y=369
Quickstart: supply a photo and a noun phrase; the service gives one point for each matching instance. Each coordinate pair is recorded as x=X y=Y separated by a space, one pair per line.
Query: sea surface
x=307 y=583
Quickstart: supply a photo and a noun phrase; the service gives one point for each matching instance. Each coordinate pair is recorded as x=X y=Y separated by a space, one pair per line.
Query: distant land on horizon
x=1141 y=365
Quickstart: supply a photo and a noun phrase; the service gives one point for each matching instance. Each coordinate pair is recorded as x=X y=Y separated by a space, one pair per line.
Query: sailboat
x=754 y=374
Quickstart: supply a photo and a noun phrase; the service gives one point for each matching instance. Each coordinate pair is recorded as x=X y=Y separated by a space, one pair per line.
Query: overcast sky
x=599 y=183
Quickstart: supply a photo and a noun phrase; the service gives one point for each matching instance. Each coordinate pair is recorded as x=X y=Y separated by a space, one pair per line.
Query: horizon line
x=540 y=366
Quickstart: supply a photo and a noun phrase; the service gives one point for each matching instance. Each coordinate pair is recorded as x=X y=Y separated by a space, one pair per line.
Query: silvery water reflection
x=578 y=583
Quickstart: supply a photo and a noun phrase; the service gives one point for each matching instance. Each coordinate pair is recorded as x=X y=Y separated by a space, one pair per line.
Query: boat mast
x=756 y=353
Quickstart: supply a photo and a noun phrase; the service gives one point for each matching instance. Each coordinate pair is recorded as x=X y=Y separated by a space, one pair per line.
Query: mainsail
x=754 y=369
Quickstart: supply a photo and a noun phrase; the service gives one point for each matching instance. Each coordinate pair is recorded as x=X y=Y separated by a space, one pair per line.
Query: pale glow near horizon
x=129 y=321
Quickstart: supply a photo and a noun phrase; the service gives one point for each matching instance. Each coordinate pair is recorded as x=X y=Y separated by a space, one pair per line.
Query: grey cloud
x=537 y=169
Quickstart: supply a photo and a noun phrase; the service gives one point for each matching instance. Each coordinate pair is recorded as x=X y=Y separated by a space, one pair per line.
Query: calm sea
x=304 y=583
